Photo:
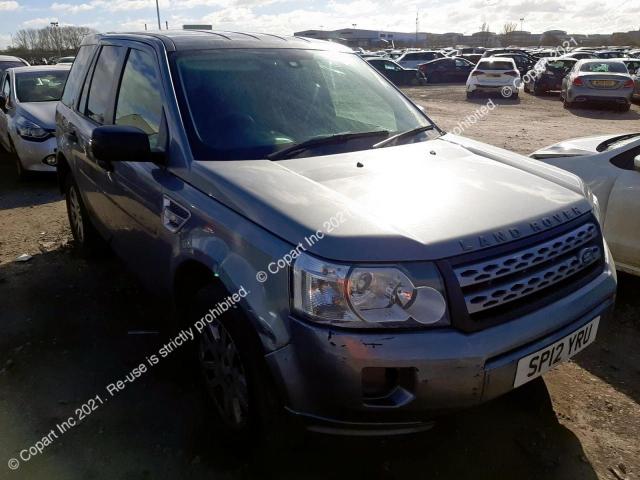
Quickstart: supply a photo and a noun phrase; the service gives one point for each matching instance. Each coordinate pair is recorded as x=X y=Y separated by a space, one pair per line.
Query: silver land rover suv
x=330 y=253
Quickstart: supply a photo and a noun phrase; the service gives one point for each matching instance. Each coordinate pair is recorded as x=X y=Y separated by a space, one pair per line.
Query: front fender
x=235 y=250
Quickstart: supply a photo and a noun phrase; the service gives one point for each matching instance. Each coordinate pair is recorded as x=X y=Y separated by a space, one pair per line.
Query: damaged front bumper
x=346 y=382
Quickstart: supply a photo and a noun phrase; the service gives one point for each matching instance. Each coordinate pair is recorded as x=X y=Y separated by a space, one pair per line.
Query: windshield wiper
x=401 y=135
x=324 y=140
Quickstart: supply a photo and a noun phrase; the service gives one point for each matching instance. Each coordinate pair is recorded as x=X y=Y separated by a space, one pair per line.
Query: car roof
x=599 y=60
x=10 y=58
x=182 y=40
x=40 y=68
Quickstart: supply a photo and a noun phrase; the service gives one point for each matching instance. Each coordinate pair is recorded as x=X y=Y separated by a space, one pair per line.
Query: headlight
x=362 y=296
x=30 y=130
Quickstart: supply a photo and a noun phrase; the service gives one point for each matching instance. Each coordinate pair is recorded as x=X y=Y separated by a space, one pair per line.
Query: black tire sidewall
x=264 y=406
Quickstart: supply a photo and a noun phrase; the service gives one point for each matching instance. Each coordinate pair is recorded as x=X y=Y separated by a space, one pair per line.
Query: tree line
x=47 y=42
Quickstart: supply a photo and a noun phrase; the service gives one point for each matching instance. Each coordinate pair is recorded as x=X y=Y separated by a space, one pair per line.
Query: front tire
x=85 y=236
x=23 y=174
x=235 y=376
x=625 y=108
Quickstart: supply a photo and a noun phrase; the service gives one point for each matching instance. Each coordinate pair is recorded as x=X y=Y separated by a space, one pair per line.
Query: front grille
x=509 y=279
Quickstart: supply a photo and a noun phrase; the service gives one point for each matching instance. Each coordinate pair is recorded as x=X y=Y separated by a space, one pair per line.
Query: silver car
x=598 y=80
x=27 y=115
x=633 y=65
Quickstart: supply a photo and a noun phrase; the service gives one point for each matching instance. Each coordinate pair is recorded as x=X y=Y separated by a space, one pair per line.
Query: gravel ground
x=68 y=332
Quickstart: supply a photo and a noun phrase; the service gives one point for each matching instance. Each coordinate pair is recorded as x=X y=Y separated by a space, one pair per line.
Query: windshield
x=246 y=104
x=40 y=86
x=604 y=67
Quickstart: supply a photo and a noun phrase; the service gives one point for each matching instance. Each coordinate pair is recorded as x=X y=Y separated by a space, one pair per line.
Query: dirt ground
x=69 y=328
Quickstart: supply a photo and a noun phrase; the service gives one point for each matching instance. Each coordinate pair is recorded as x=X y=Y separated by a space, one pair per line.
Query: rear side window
x=495 y=65
x=76 y=75
x=100 y=98
x=139 y=101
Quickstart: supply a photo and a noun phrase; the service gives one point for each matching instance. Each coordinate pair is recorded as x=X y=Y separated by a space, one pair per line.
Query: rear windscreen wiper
x=324 y=140
x=401 y=135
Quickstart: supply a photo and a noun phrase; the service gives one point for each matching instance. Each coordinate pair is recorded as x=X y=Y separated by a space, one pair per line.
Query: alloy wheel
x=224 y=375
x=75 y=214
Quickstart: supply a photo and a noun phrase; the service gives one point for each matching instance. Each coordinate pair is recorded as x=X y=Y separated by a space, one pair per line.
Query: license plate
x=493 y=75
x=534 y=365
x=603 y=83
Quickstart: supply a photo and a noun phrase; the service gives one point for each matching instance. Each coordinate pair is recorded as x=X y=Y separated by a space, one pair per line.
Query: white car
x=494 y=75
x=610 y=166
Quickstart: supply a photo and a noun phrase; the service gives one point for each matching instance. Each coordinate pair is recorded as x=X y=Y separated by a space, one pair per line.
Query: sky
x=287 y=16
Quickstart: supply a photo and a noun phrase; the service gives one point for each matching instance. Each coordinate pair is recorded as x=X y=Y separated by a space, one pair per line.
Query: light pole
x=55 y=26
x=158 y=12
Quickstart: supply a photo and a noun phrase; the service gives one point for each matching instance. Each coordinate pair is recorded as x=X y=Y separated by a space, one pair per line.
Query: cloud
x=39 y=22
x=9 y=5
x=72 y=8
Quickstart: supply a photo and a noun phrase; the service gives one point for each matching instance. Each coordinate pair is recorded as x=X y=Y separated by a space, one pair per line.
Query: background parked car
x=472 y=57
x=603 y=81
x=607 y=54
x=453 y=69
x=549 y=73
x=413 y=59
x=494 y=75
x=7 y=61
x=581 y=55
x=524 y=63
x=633 y=65
x=395 y=72
x=610 y=166
x=27 y=115
x=65 y=60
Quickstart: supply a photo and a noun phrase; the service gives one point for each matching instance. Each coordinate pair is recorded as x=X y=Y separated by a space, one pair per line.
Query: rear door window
x=76 y=75
x=100 y=96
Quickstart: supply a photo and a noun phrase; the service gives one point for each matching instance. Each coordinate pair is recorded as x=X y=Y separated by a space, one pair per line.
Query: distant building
x=378 y=39
x=355 y=37
x=197 y=27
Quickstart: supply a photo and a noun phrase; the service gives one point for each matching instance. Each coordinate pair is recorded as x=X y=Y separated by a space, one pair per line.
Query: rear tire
x=470 y=95
x=86 y=238
x=566 y=103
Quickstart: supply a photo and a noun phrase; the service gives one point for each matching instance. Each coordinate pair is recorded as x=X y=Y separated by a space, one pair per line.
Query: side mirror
x=636 y=163
x=116 y=143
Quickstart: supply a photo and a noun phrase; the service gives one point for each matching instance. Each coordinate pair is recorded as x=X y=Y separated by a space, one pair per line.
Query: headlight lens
x=361 y=297
x=28 y=129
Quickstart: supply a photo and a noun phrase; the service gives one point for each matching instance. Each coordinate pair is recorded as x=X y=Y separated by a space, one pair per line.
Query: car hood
x=421 y=201
x=574 y=147
x=42 y=113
